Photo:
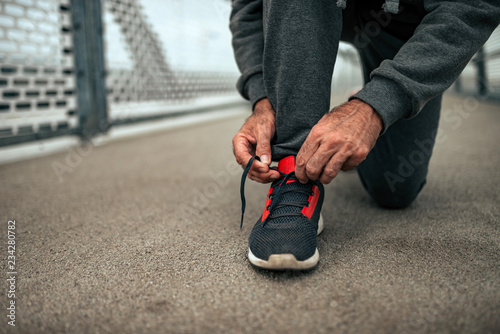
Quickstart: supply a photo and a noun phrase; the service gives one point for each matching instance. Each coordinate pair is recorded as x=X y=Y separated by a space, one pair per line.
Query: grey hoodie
x=428 y=63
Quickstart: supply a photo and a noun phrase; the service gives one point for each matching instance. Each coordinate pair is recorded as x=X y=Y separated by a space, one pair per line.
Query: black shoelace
x=275 y=194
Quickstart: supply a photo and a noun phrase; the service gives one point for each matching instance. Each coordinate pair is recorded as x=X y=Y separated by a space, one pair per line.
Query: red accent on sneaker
x=268 y=202
x=308 y=211
x=287 y=165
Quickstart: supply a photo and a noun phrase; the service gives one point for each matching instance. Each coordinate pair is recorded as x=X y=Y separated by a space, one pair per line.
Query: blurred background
x=66 y=69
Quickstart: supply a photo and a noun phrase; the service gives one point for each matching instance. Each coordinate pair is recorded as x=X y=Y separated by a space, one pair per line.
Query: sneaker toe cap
x=297 y=239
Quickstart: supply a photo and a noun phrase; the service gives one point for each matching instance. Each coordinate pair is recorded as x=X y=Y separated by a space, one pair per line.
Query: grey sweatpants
x=301 y=44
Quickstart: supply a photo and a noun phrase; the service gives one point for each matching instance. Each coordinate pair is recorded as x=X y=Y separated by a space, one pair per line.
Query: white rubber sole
x=287 y=261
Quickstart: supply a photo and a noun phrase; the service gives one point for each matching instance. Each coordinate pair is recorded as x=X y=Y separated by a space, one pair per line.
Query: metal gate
x=481 y=77
x=149 y=86
x=492 y=64
x=57 y=76
x=37 y=77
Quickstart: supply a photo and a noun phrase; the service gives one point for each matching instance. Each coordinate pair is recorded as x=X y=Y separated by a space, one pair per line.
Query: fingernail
x=264 y=159
x=273 y=177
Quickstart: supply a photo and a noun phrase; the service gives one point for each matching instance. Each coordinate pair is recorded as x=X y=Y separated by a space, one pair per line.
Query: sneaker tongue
x=290 y=193
x=287 y=165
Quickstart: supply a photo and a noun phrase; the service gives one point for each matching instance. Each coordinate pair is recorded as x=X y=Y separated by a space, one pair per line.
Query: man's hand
x=341 y=140
x=254 y=138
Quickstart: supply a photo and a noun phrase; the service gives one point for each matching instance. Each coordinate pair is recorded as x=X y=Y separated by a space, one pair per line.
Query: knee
x=391 y=190
x=394 y=198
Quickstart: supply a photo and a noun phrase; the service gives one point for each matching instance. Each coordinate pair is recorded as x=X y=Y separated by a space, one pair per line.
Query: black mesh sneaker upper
x=290 y=195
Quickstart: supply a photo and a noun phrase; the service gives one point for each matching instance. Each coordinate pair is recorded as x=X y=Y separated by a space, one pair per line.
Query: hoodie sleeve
x=432 y=59
x=246 y=25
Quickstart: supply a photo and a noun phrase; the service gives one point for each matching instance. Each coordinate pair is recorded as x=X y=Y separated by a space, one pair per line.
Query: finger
x=264 y=177
x=243 y=149
x=318 y=161
x=356 y=159
x=349 y=165
x=263 y=149
x=270 y=173
x=307 y=150
x=333 y=166
x=352 y=162
x=259 y=167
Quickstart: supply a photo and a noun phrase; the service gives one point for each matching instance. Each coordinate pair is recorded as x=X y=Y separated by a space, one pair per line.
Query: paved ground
x=142 y=236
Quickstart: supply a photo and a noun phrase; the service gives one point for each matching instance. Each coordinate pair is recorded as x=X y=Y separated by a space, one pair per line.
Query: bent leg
x=396 y=169
x=301 y=44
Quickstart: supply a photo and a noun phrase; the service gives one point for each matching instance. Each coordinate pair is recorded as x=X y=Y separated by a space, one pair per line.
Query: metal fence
x=37 y=77
x=482 y=76
x=150 y=86
x=151 y=78
x=58 y=75
x=492 y=63
x=68 y=66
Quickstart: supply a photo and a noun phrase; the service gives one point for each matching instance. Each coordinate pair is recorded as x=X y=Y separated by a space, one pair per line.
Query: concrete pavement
x=142 y=236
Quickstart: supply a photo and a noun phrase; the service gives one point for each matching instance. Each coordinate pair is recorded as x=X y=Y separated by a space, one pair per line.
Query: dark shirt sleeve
x=432 y=59
x=246 y=25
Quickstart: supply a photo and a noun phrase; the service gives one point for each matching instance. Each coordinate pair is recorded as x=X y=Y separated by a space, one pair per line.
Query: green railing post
x=89 y=65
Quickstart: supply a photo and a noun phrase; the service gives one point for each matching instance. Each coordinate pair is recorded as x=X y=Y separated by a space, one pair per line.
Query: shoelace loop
x=275 y=194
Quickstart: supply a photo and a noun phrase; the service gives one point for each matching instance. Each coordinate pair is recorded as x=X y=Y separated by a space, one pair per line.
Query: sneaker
x=285 y=236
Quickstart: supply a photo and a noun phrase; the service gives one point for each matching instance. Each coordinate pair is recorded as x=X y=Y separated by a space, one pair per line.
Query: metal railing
x=55 y=78
x=37 y=77
x=482 y=76
x=59 y=75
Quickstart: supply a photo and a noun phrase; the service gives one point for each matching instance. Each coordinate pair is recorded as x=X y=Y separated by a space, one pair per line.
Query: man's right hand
x=254 y=138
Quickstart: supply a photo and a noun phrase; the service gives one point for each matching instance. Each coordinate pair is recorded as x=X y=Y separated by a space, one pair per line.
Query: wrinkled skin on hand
x=341 y=140
x=254 y=138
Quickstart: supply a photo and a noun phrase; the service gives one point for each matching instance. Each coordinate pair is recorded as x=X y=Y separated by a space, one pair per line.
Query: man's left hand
x=341 y=140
